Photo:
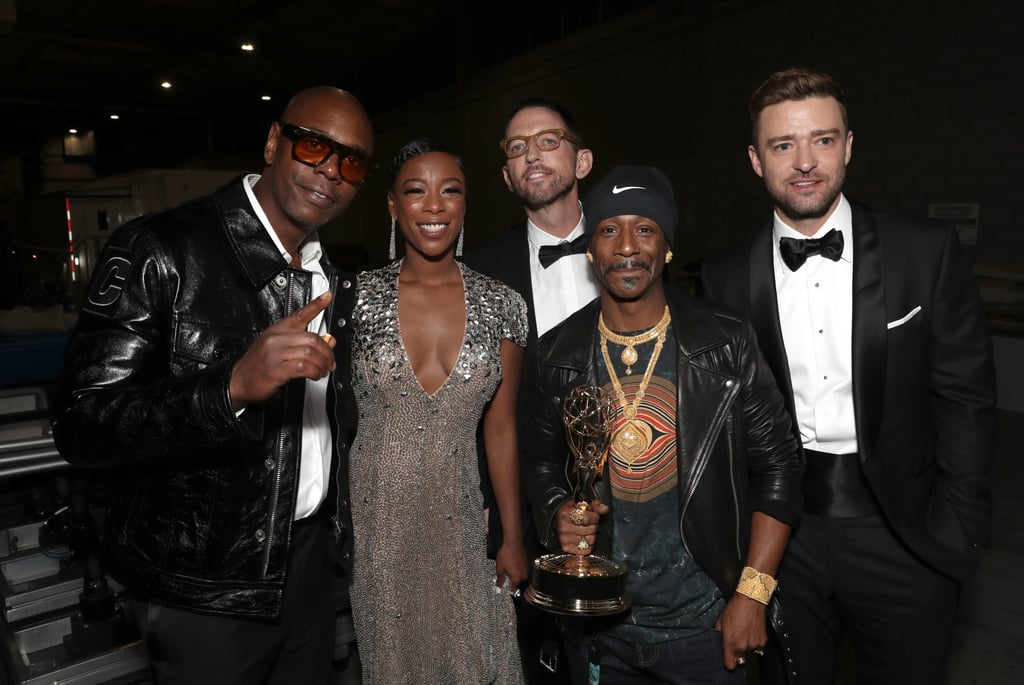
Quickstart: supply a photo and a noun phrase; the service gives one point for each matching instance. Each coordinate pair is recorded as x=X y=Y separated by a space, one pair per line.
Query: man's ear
x=584 y=163
x=755 y=161
x=270 y=147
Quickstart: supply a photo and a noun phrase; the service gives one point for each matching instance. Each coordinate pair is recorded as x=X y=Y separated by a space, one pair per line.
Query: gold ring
x=740 y=661
x=576 y=515
x=583 y=544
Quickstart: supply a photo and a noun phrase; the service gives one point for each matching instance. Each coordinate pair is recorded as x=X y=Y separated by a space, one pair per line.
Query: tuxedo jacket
x=508 y=259
x=923 y=375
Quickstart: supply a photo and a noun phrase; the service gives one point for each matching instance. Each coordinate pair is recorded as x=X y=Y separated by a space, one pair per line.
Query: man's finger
x=300 y=319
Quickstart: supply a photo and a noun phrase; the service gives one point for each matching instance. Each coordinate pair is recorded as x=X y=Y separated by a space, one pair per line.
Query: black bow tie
x=795 y=251
x=549 y=254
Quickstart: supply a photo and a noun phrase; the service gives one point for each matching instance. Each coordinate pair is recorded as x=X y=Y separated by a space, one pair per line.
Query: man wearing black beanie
x=701 y=481
x=633 y=189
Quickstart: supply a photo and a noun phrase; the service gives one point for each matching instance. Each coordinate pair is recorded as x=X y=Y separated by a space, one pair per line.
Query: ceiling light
x=115 y=117
x=72 y=130
x=265 y=98
x=166 y=85
x=247 y=47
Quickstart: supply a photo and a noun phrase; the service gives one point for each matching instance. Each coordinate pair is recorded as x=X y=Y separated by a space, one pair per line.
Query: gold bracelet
x=756 y=585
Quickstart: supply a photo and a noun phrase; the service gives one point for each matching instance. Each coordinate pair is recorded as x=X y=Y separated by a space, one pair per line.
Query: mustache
x=628 y=263
x=806 y=176
x=534 y=168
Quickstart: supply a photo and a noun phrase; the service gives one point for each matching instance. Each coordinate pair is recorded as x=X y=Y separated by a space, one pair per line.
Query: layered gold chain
x=635 y=435
x=629 y=342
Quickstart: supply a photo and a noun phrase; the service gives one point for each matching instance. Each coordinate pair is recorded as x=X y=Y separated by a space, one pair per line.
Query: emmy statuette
x=576 y=584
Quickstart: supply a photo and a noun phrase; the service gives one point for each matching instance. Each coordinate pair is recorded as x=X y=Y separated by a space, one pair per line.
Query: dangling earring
x=391 y=248
x=668 y=256
x=590 y=257
x=462 y=232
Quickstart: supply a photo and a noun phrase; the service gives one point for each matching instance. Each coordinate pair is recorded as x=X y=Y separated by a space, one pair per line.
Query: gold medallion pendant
x=632 y=440
x=629 y=356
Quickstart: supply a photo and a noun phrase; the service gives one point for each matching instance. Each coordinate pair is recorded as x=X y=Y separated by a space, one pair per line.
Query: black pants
x=539 y=637
x=852 y=578
x=189 y=648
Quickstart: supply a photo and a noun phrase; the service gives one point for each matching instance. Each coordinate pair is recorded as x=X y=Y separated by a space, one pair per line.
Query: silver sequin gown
x=424 y=603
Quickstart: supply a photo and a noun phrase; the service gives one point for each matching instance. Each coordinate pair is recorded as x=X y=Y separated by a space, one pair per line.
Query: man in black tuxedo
x=544 y=162
x=875 y=331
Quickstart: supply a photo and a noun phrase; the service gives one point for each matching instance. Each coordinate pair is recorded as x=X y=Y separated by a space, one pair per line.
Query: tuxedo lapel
x=764 y=313
x=509 y=262
x=869 y=330
x=523 y=282
x=519 y=266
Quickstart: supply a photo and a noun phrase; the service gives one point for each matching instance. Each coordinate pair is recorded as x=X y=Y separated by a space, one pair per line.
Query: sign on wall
x=963 y=215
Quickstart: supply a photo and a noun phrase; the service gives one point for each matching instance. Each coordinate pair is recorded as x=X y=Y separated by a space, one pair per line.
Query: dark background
x=934 y=94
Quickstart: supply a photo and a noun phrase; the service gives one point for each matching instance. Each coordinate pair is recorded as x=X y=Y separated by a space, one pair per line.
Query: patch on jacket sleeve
x=109 y=282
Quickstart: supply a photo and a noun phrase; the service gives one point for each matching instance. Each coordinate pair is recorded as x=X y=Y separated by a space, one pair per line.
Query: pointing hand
x=284 y=351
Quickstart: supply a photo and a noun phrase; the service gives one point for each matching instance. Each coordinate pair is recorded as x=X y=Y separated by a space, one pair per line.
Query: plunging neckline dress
x=424 y=603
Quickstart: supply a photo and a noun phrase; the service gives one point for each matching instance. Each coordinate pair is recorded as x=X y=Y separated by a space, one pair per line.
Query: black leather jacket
x=204 y=500
x=735 y=449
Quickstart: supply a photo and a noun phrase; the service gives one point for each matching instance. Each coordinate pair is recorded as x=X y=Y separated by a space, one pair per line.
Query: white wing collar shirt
x=816 y=315
x=563 y=287
x=315 y=456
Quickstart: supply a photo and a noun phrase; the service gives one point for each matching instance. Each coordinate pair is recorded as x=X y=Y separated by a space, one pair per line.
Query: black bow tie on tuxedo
x=795 y=251
x=549 y=254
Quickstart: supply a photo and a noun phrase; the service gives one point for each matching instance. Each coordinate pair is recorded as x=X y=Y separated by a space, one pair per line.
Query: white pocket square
x=902 y=320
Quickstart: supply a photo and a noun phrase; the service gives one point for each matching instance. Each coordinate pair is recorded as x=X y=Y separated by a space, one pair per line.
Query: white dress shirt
x=315 y=440
x=562 y=288
x=816 y=315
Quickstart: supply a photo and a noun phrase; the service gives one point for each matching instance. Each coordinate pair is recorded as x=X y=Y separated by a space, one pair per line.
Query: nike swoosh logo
x=616 y=190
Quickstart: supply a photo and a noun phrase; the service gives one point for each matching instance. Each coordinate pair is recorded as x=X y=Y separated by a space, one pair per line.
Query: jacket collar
x=252 y=249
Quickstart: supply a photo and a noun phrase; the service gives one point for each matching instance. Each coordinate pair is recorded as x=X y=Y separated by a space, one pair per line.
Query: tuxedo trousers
x=852 y=578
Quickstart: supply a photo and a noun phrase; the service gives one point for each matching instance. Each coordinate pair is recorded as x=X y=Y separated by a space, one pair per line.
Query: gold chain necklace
x=634 y=437
x=629 y=355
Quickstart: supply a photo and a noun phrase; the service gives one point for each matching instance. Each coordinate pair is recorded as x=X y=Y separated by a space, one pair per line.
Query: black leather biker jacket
x=204 y=499
x=736 y=451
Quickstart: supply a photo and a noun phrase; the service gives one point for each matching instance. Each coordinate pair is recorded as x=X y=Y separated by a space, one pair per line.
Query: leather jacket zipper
x=732 y=484
x=702 y=463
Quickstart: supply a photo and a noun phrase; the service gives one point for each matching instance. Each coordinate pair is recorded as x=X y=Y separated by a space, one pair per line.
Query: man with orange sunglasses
x=208 y=368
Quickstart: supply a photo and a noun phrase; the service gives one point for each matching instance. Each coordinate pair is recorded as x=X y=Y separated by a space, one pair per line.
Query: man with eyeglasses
x=545 y=160
x=209 y=368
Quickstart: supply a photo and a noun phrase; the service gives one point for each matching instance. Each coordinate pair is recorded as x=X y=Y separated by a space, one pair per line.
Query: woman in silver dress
x=436 y=346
